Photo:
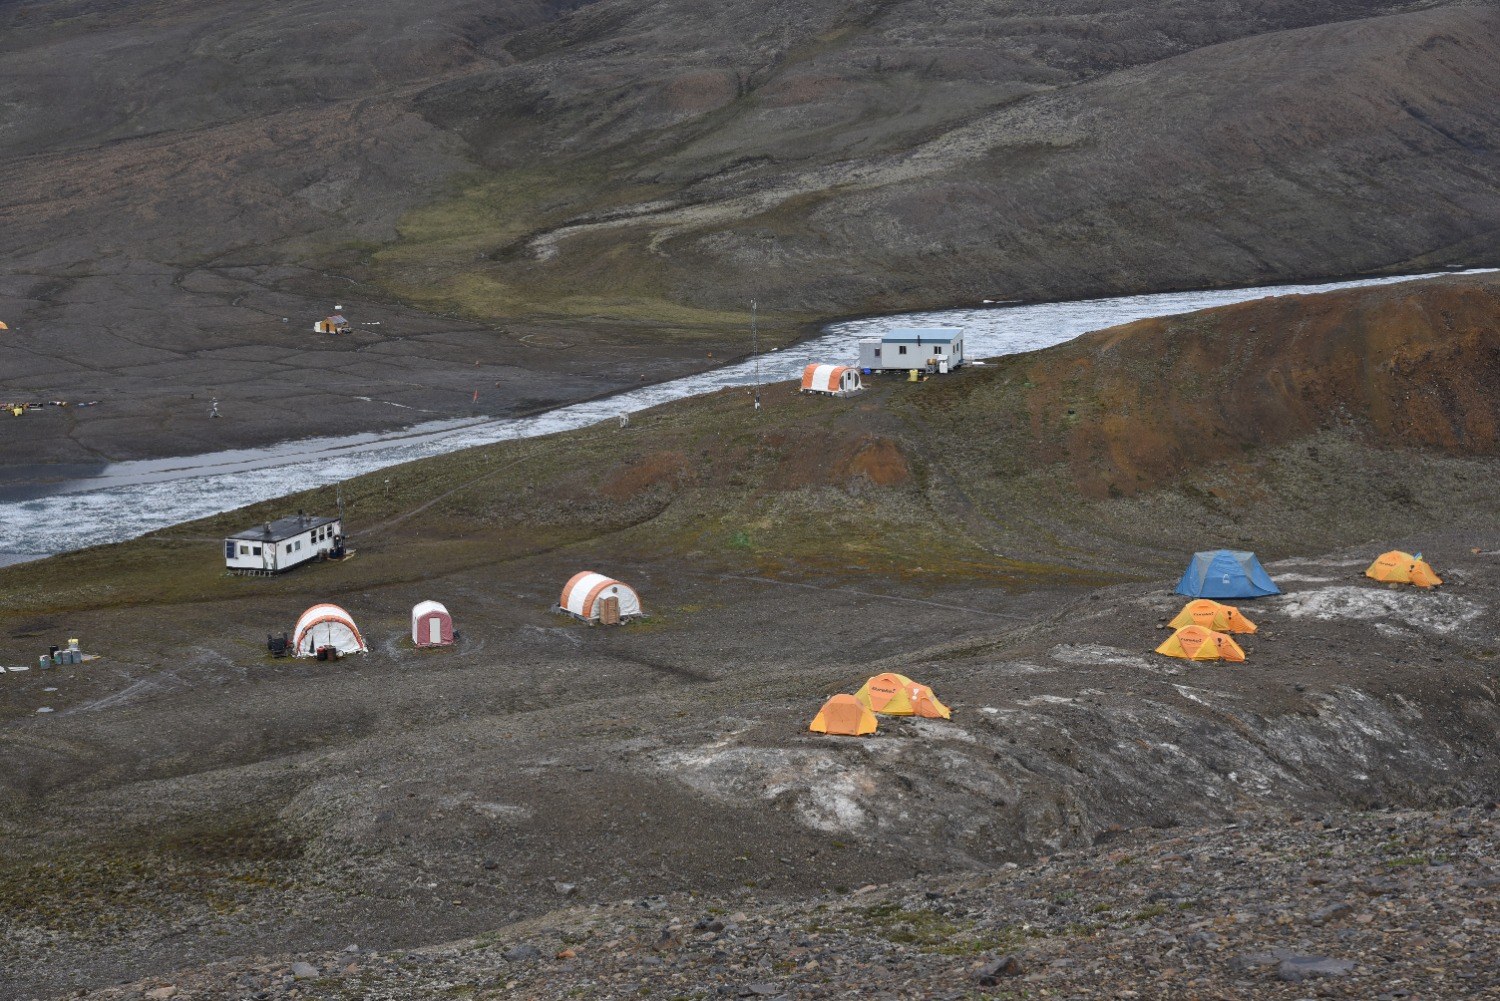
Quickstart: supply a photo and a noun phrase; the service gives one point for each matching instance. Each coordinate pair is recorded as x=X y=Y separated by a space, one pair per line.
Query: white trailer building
x=280 y=545
x=901 y=349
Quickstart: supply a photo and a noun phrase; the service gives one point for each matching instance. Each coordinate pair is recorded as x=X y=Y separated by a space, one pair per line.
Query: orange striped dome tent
x=326 y=626
x=897 y=695
x=1211 y=615
x=844 y=716
x=1197 y=643
x=1397 y=567
x=838 y=380
x=595 y=598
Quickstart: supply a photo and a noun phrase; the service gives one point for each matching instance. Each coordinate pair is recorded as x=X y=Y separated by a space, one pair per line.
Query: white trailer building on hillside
x=901 y=349
x=280 y=545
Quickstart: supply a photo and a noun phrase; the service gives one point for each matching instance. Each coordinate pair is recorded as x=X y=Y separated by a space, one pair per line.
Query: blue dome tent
x=1225 y=573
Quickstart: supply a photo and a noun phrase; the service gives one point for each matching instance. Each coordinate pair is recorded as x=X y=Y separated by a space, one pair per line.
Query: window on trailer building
x=244 y=550
x=254 y=550
x=902 y=349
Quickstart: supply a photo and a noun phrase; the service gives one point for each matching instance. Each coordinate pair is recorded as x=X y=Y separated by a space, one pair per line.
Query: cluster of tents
x=885 y=694
x=1205 y=628
x=327 y=631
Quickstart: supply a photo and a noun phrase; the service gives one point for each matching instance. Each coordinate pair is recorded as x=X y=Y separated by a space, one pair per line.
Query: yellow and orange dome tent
x=843 y=715
x=1403 y=568
x=3 y=325
x=1211 y=615
x=898 y=695
x=1198 y=643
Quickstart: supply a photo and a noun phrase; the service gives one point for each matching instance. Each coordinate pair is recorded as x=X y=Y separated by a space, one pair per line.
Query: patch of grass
x=932 y=932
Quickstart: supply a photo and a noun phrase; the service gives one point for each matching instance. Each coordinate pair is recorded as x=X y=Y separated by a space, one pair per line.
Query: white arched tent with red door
x=431 y=625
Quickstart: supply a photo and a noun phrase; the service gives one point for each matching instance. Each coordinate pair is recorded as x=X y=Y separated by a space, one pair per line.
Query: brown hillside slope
x=1414 y=365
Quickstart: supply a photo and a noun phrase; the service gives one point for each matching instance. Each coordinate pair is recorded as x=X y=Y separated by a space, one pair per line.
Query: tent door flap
x=434 y=629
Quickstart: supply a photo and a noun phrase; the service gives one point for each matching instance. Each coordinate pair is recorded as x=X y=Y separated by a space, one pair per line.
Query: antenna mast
x=755 y=338
x=755 y=350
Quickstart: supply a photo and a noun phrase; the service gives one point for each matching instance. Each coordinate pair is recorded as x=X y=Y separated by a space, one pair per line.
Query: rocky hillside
x=1385 y=905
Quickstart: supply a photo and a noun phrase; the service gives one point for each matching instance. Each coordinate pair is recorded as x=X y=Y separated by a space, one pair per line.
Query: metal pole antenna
x=755 y=349
x=755 y=336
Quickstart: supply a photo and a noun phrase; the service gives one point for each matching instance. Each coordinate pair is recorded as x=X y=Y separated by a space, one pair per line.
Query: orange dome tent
x=1197 y=643
x=3 y=325
x=843 y=716
x=898 y=695
x=1403 y=568
x=1212 y=615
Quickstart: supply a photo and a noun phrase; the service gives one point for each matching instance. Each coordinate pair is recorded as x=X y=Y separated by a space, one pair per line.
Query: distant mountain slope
x=914 y=156
x=623 y=176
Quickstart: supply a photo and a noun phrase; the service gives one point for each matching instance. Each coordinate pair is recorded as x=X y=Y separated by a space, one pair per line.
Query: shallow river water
x=128 y=499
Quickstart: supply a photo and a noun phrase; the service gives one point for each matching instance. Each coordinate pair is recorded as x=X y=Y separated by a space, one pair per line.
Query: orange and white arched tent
x=844 y=716
x=326 y=626
x=897 y=695
x=1403 y=568
x=1210 y=614
x=1197 y=643
x=594 y=597
x=839 y=380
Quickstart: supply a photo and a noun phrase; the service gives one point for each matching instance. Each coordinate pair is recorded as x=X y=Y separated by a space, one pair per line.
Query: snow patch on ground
x=940 y=730
x=829 y=793
x=1300 y=578
x=1040 y=700
x=503 y=811
x=1430 y=611
x=1094 y=653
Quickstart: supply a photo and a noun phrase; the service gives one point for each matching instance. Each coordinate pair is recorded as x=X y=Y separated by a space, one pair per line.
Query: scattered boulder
x=991 y=973
x=1295 y=969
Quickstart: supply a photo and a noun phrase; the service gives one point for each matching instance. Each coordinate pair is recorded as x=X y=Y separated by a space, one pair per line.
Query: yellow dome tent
x=1403 y=568
x=843 y=715
x=898 y=695
x=1211 y=615
x=1197 y=643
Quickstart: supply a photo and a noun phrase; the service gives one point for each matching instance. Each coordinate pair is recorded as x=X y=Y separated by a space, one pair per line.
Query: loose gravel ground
x=1378 y=905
